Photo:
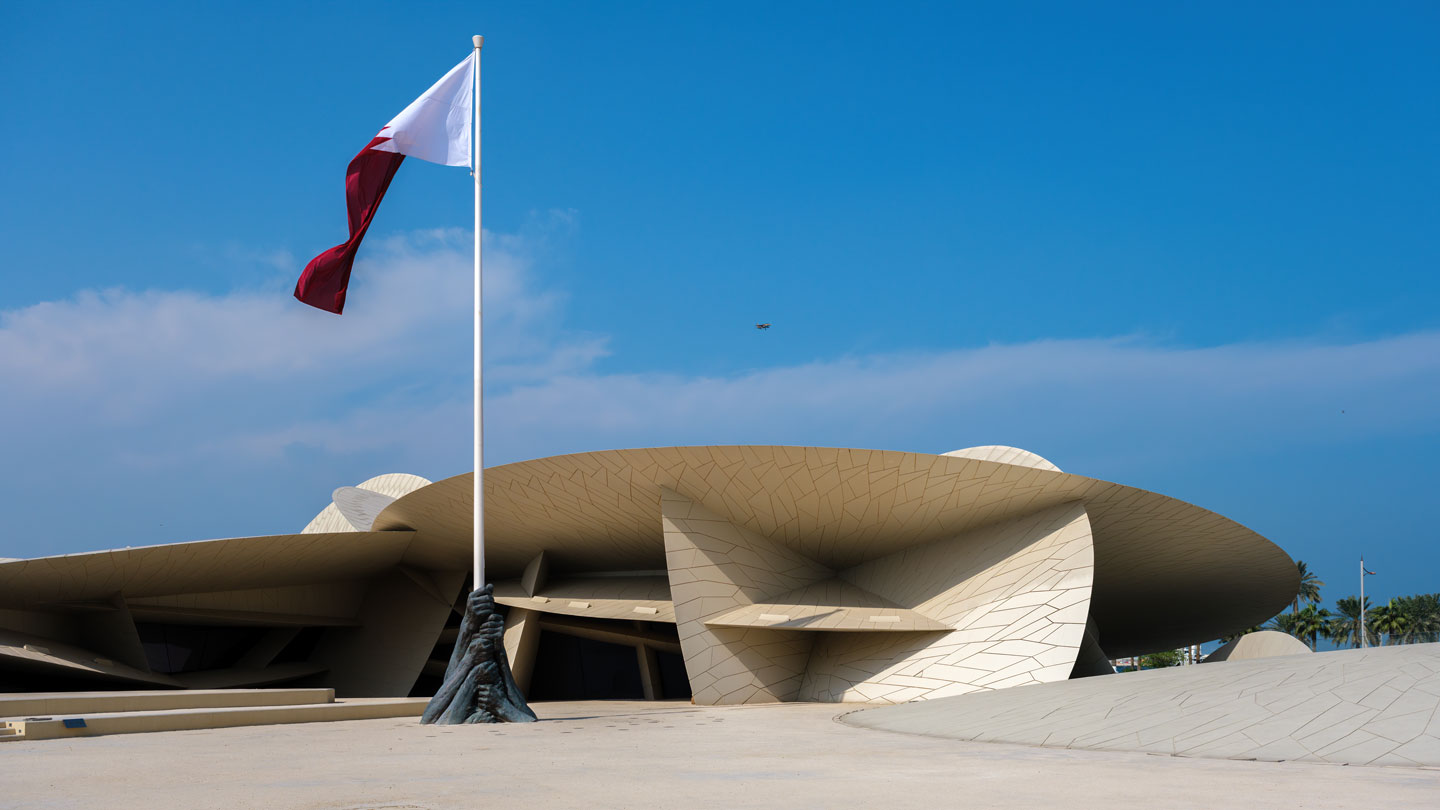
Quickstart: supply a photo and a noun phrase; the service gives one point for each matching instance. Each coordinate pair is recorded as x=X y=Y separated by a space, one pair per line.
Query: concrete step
x=27 y=704
x=95 y=724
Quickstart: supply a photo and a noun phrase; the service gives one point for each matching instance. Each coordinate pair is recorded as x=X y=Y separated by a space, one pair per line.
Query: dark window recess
x=674 y=683
x=300 y=647
x=573 y=668
x=174 y=648
x=426 y=686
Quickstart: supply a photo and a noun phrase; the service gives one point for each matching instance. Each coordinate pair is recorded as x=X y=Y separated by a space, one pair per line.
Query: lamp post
x=1364 y=634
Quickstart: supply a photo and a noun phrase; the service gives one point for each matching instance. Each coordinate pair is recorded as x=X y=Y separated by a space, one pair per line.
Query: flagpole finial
x=479 y=41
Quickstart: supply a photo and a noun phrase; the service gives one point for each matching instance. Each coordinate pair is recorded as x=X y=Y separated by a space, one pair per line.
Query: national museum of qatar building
x=721 y=574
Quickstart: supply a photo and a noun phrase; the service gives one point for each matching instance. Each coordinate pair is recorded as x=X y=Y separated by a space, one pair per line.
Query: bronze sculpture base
x=478 y=686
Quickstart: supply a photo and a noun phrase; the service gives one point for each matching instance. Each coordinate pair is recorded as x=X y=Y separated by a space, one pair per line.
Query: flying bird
x=762 y=326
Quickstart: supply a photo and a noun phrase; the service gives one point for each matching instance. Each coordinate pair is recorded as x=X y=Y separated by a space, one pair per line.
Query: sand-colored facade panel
x=319 y=603
x=50 y=656
x=630 y=598
x=775 y=573
x=399 y=621
x=725 y=568
x=522 y=639
x=1004 y=577
x=205 y=566
x=826 y=617
x=1000 y=580
x=842 y=507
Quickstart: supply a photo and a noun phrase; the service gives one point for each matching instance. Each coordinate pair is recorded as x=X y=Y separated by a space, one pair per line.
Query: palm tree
x=1422 y=615
x=1310 y=586
x=1389 y=619
x=1234 y=634
x=1312 y=621
x=1345 y=627
x=1285 y=623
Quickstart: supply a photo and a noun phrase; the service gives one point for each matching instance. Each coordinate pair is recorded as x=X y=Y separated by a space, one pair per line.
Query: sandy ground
x=624 y=754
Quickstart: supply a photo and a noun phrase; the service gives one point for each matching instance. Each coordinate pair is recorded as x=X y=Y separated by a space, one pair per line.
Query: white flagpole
x=479 y=495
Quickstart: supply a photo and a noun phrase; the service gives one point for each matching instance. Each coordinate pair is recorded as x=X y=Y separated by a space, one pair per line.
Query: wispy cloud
x=1080 y=397
x=126 y=356
x=233 y=402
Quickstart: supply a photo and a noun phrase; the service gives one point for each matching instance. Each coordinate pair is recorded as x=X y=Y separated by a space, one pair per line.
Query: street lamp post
x=1364 y=634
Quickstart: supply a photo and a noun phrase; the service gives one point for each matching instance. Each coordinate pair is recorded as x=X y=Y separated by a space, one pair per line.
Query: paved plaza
x=647 y=754
x=1378 y=706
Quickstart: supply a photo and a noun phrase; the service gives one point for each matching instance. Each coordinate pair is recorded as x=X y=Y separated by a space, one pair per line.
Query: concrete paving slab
x=1344 y=711
x=632 y=754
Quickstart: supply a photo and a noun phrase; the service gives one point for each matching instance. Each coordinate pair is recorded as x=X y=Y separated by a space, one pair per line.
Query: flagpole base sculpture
x=478 y=686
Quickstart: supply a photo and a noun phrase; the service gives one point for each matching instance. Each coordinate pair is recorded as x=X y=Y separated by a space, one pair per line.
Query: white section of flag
x=436 y=126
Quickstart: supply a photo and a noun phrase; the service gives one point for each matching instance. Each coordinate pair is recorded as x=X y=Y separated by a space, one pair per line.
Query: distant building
x=725 y=574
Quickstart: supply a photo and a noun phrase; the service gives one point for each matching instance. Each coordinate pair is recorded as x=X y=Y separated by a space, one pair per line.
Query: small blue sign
x=74 y=722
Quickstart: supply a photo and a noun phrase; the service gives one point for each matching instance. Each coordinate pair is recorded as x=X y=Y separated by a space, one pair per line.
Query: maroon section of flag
x=323 y=283
x=434 y=127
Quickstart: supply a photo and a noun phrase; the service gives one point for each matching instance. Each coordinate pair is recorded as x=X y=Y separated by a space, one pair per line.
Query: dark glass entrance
x=572 y=668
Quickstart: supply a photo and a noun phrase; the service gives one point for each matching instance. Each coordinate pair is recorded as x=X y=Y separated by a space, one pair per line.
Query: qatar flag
x=435 y=127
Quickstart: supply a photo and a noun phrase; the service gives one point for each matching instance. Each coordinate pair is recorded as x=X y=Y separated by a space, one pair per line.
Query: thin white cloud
x=245 y=398
x=1079 y=394
x=125 y=356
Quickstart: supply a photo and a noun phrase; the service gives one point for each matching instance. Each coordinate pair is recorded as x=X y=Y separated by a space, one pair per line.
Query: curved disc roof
x=1167 y=572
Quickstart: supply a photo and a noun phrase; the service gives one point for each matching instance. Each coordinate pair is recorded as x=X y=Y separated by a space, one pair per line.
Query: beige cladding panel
x=1164 y=572
x=333 y=600
x=843 y=507
x=36 y=652
x=716 y=567
x=832 y=605
x=522 y=643
x=210 y=565
x=1015 y=595
x=827 y=617
x=113 y=634
x=399 y=622
x=628 y=598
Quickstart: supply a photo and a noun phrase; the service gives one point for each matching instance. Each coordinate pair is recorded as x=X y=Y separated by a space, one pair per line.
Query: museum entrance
x=573 y=667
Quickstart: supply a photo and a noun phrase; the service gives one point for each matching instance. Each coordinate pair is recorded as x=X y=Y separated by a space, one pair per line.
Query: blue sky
x=1189 y=248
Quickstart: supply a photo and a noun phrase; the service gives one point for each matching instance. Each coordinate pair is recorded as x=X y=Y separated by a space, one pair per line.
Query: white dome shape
x=1259 y=644
x=389 y=486
x=1005 y=455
